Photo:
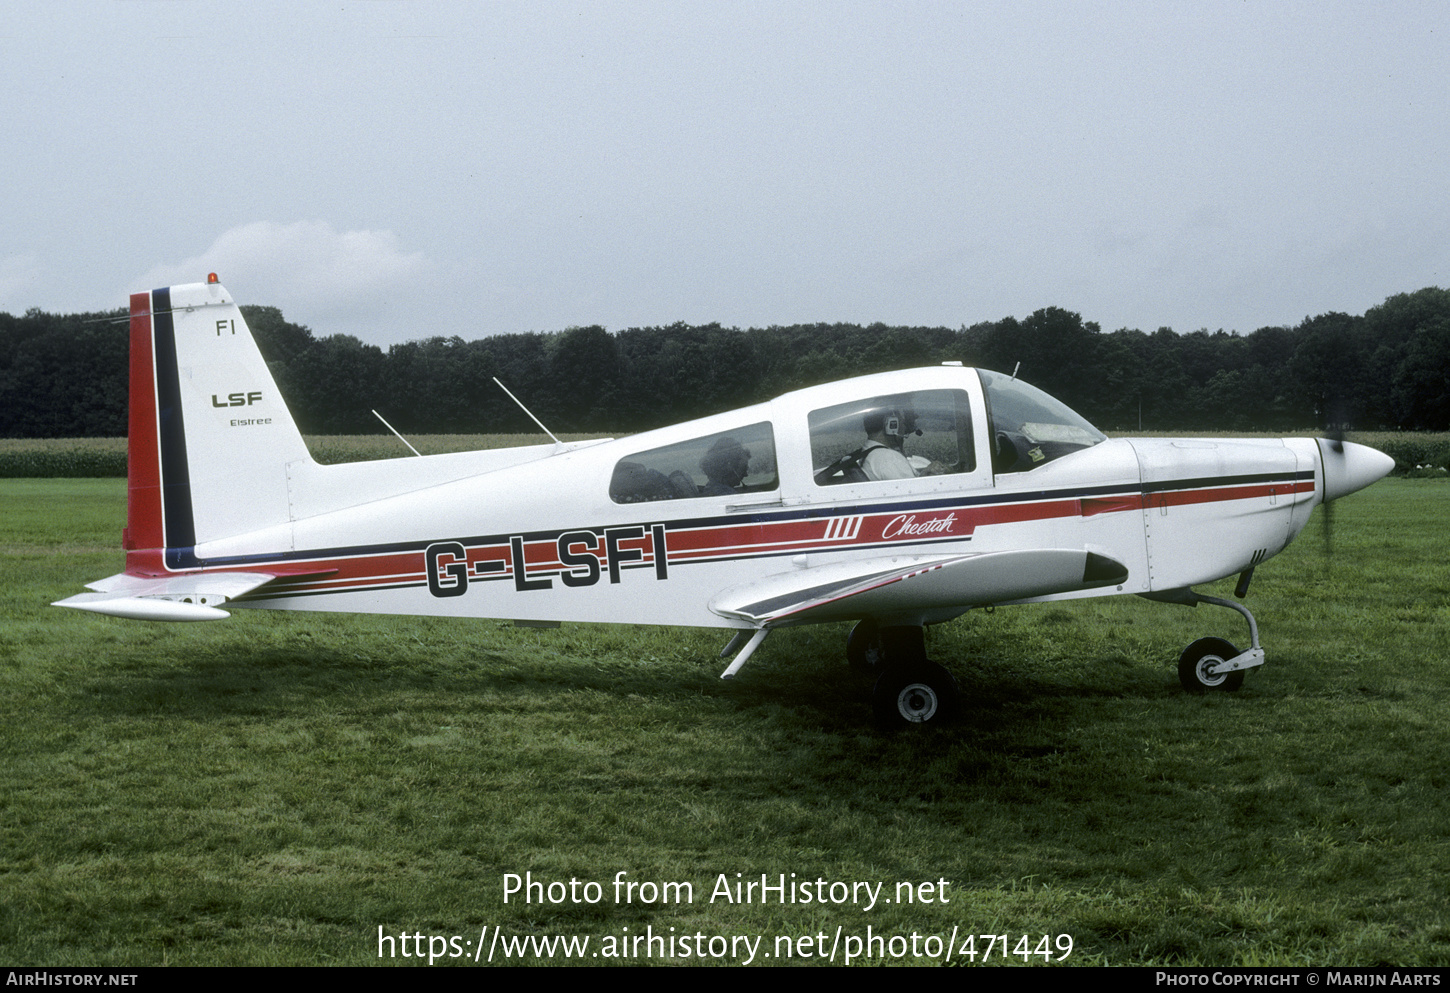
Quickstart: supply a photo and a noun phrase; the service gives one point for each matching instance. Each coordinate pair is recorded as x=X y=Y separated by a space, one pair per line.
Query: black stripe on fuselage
x=1205 y=482
x=185 y=557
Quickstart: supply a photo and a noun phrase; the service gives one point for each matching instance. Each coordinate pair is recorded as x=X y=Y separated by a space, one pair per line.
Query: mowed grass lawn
x=282 y=788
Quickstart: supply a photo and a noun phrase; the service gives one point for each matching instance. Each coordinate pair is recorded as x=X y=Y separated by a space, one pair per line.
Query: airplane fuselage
x=542 y=540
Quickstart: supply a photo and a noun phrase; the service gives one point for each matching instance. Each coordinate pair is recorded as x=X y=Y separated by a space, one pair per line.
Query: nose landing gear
x=1212 y=663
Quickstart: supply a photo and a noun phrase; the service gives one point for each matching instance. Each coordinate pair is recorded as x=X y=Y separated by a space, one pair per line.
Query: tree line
x=65 y=375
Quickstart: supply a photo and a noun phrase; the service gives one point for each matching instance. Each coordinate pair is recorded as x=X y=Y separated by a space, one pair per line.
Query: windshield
x=1030 y=428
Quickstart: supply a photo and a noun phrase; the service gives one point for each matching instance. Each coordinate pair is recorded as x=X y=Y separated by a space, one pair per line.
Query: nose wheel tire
x=924 y=693
x=1196 y=665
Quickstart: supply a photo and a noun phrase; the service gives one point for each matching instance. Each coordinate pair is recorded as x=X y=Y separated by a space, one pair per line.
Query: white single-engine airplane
x=896 y=500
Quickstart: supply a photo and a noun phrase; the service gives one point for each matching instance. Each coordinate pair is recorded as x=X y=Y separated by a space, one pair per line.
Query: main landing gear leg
x=911 y=689
x=754 y=639
x=863 y=648
x=1212 y=663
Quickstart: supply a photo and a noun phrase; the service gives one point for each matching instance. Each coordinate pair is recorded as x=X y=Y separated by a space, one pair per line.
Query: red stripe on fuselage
x=1182 y=498
x=745 y=541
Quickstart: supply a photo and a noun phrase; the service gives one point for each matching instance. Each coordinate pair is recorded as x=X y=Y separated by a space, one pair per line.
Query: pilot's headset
x=893 y=422
x=899 y=423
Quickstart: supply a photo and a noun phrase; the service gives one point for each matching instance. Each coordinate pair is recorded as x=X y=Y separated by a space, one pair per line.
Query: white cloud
x=306 y=266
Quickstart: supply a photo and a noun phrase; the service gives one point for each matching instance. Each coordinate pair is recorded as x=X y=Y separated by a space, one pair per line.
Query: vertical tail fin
x=210 y=436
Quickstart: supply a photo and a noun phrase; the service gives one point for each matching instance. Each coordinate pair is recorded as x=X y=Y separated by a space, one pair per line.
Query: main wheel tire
x=924 y=693
x=863 y=648
x=1199 y=657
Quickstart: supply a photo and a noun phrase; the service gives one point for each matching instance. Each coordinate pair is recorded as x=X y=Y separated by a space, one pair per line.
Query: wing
x=897 y=585
x=181 y=597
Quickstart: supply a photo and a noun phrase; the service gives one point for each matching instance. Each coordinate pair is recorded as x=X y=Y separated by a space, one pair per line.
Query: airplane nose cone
x=1349 y=467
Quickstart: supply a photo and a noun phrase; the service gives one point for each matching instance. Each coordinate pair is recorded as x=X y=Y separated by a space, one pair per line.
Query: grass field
x=284 y=788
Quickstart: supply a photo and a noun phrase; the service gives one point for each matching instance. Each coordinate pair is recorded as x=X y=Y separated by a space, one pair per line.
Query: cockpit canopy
x=861 y=435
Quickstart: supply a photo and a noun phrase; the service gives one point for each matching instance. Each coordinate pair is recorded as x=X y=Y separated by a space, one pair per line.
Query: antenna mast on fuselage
x=526 y=410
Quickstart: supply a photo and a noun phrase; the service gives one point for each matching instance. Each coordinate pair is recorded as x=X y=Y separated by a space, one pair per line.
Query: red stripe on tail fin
x=143 y=465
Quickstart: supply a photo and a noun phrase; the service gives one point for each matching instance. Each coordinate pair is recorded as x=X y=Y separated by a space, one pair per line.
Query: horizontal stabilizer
x=191 y=596
x=142 y=608
x=896 y=585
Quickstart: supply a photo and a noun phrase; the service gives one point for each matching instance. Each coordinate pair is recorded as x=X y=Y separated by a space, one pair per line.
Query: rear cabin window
x=899 y=436
x=728 y=462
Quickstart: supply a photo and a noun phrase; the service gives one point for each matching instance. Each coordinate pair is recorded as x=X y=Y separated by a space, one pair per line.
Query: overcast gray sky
x=397 y=169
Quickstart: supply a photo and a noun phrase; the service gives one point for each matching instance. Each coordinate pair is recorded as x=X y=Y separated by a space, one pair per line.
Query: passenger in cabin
x=725 y=465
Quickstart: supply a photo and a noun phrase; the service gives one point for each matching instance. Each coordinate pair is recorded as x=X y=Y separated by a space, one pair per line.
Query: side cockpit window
x=721 y=464
x=900 y=436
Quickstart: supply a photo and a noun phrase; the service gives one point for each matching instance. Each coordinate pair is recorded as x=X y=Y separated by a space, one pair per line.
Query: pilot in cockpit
x=886 y=431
